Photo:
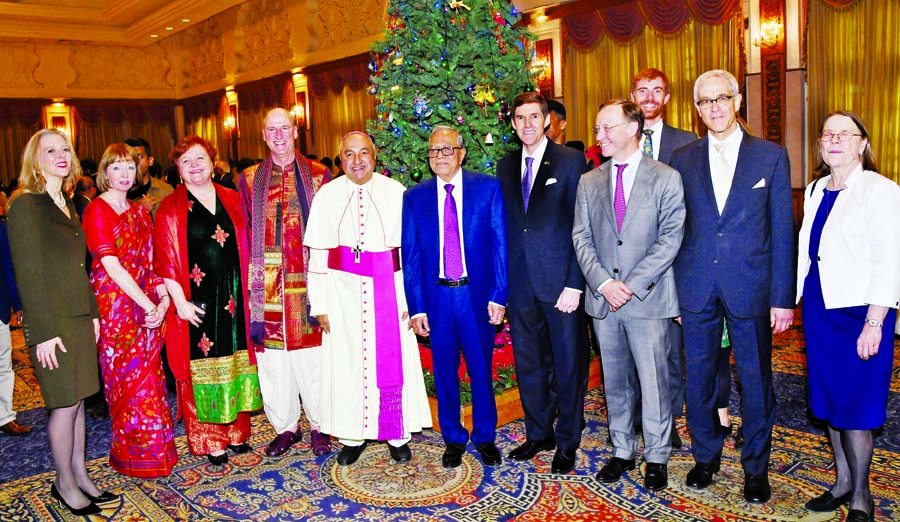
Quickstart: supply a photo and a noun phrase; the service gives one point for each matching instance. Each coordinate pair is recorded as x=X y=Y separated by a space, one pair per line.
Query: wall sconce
x=230 y=122
x=770 y=33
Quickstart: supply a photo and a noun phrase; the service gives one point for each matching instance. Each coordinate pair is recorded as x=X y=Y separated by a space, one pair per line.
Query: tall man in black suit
x=540 y=183
x=737 y=262
x=650 y=90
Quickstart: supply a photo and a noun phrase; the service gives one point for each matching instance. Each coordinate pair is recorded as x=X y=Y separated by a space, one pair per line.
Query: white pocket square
x=550 y=181
x=760 y=184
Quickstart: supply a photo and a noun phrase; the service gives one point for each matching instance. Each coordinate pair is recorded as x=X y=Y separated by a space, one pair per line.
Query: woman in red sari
x=120 y=237
x=202 y=254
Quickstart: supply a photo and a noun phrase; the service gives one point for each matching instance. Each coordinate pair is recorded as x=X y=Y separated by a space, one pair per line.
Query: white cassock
x=366 y=216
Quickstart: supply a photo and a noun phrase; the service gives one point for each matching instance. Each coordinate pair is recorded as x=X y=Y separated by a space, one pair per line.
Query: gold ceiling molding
x=117 y=22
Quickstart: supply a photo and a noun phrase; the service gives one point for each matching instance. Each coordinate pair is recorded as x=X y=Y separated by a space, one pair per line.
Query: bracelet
x=165 y=296
x=874 y=323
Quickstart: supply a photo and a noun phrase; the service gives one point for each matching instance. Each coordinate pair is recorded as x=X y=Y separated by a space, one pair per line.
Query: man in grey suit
x=650 y=90
x=629 y=222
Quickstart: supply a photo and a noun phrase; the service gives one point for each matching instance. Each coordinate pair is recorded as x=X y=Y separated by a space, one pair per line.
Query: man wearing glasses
x=454 y=267
x=737 y=262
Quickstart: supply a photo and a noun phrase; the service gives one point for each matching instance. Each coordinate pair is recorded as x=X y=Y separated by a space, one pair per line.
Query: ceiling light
x=170 y=28
x=185 y=20
x=154 y=36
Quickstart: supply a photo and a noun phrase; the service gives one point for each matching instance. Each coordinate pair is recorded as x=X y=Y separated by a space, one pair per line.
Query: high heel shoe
x=105 y=497
x=90 y=509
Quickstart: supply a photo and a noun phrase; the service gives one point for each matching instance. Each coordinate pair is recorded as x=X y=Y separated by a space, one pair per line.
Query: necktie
x=619 y=196
x=721 y=176
x=526 y=181
x=648 y=143
x=453 y=268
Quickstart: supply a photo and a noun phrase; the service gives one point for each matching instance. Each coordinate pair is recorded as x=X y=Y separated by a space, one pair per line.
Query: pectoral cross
x=356 y=252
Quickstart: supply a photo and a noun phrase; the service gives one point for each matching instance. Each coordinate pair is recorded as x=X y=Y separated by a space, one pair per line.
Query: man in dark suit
x=650 y=90
x=454 y=269
x=629 y=220
x=9 y=302
x=736 y=262
x=540 y=183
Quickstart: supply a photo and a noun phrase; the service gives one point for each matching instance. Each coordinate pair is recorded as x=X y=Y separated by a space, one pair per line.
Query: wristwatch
x=873 y=323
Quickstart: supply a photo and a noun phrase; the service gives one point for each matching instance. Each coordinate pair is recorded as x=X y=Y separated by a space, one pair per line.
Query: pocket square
x=550 y=181
x=760 y=184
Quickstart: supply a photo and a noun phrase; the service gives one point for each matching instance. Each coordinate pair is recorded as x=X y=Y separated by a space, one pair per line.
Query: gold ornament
x=483 y=95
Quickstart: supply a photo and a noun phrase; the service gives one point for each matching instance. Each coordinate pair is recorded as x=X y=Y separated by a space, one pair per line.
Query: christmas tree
x=447 y=62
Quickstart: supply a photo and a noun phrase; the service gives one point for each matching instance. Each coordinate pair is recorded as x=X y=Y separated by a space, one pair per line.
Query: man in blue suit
x=546 y=310
x=454 y=269
x=9 y=301
x=737 y=262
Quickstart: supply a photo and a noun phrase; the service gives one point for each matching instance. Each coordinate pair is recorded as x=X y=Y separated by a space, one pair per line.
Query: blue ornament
x=448 y=105
x=514 y=11
x=397 y=131
x=505 y=137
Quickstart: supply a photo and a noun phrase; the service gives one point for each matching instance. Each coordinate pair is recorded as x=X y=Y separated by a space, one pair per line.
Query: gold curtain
x=92 y=140
x=605 y=72
x=336 y=115
x=211 y=129
x=13 y=138
x=252 y=144
x=853 y=61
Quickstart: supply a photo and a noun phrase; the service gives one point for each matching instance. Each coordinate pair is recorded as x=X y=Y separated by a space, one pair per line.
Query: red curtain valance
x=352 y=72
x=202 y=106
x=26 y=112
x=624 y=22
x=265 y=94
x=135 y=112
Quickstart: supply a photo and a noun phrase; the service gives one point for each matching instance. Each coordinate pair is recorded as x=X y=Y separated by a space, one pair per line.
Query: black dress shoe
x=453 y=455
x=675 y=438
x=90 y=509
x=827 y=502
x=701 y=476
x=656 y=477
x=105 y=497
x=350 y=454
x=858 y=515
x=614 y=469
x=757 y=489
x=400 y=454
x=490 y=455
x=239 y=448
x=530 y=448
x=563 y=461
x=217 y=460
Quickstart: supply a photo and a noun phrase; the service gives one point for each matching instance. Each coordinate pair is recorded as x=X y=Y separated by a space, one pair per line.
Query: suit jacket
x=9 y=292
x=671 y=139
x=541 y=239
x=48 y=256
x=641 y=255
x=749 y=251
x=859 y=261
x=484 y=236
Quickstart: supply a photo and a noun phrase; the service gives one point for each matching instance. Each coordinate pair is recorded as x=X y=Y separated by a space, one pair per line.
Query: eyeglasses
x=718 y=101
x=606 y=128
x=842 y=137
x=446 y=151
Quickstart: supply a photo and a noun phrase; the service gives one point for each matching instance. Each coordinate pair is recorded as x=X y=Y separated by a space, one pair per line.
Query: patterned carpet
x=302 y=487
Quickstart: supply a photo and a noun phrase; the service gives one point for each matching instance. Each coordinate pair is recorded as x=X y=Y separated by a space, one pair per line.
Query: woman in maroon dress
x=120 y=237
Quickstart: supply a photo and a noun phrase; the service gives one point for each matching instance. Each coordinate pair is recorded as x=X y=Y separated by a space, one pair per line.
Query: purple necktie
x=619 y=196
x=453 y=268
x=526 y=181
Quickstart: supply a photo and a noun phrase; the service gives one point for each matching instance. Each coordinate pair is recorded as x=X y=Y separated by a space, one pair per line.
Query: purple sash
x=381 y=266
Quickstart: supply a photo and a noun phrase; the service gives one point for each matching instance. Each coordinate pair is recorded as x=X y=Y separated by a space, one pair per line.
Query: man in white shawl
x=372 y=384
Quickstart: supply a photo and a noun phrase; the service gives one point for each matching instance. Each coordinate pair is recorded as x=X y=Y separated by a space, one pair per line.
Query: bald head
x=279 y=133
x=358 y=157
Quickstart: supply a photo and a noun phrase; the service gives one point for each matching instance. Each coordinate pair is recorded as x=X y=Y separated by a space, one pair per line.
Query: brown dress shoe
x=15 y=429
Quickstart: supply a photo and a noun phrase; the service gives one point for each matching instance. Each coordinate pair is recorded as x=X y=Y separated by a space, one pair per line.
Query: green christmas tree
x=447 y=62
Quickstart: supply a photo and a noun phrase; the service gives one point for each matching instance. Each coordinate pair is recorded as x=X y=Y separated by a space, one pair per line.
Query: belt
x=454 y=284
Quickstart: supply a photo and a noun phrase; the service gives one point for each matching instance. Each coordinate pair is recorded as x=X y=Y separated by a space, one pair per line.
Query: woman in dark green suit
x=59 y=309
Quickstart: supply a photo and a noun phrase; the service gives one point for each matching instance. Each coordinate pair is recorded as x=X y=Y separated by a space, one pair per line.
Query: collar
x=730 y=141
x=538 y=153
x=456 y=180
x=657 y=129
x=633 y=160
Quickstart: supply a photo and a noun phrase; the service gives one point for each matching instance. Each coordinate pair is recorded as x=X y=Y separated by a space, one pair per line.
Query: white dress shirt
x=538 y=156
x=723 y=156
